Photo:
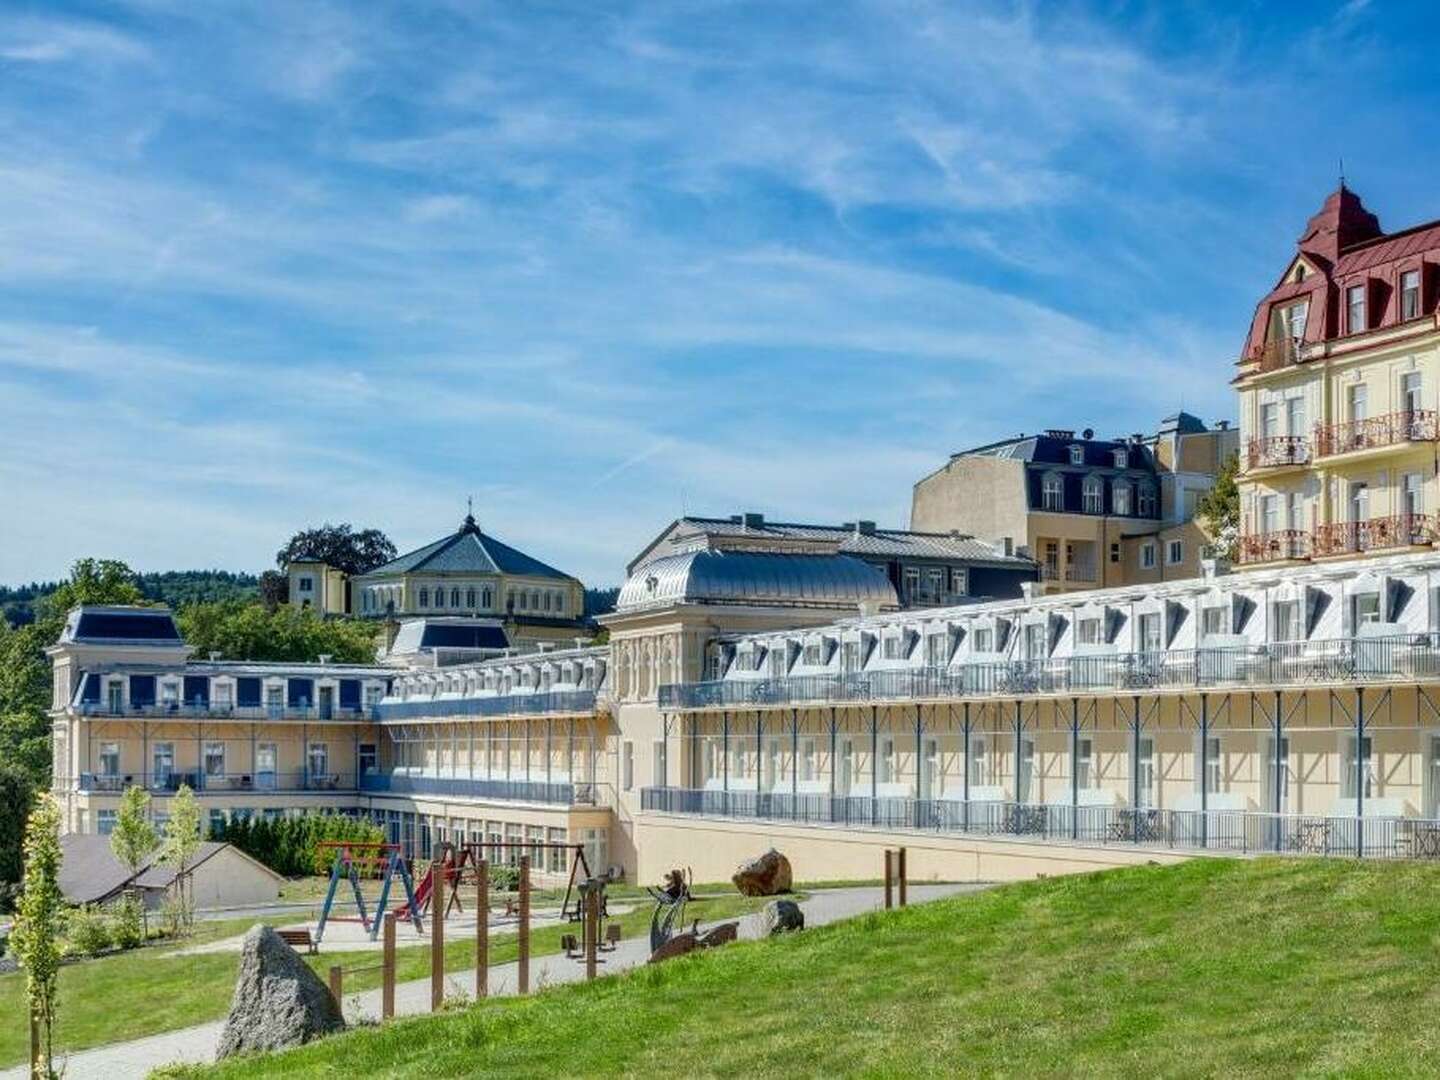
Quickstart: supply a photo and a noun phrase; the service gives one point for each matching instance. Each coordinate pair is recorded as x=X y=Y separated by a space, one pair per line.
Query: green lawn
x=144 y=992
x=1217 y=968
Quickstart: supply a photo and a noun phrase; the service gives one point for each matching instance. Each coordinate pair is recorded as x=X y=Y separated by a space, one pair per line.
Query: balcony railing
x=1292 y=663
x=200 y=711
x=1213 y=830
x=399 y=783
x=1399 y=530
x=1274 y=355
x=1392 y=429
x=164 y=781
x=935 y=598
x=1269 y=547
x=1081 y=572
x=1276 y=450
x=560 y=701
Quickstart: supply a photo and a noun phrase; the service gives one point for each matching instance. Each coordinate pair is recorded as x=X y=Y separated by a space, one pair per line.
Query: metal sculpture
x=670 y=901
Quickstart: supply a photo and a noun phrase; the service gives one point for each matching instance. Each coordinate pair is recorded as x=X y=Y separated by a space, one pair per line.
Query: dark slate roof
x=1055 y=450
x=89 y=871
x=468 y=551
x=479 y=635
x=121 y=624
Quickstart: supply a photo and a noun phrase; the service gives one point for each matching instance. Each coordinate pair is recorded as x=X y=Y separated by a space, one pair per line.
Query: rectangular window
x=1145 y=774
x=1150 y=636
x=891 y=647
x=1175 y=552
x=936 y=653
x=1355 y=309
x=307 y=584
x=1347 y=779
x=217 y=823
x=115 y=695
x=1294 y=318
x=1296 y=519
x=813 y=654
x=1077 y=455
x=1122 y=459
x=1034 y=641
x=1269 y=420
x=627 y=766
x=368 y=759
x=162 y=763
x=1410 y=294
x=1357 y=400
x=1212 y=621
x=104 y=822
x=1412 y=494
x=1412 y=398
x=1053 y=493
x=1122 y=499
x=1365 y=608
x=558 y=857
x=1286 y=621
x=912 y=581
x=1269 y=514
x=657 y=762
x=960 y=580
x=1147 y=555
x=214 y=759
x=975 y=767
x=984 y=640
x=110 y=759
x=1295 y=416
x=1084 y=763
x=1087 y=632
x=1214 y=774
x=319 y=761
x=1094 y=496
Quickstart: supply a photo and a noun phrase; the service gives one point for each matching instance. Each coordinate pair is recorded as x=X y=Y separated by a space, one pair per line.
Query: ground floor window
x=597 y=849
x=559 y=856
x=514 y=837
x=217 y=822
x=104 y=822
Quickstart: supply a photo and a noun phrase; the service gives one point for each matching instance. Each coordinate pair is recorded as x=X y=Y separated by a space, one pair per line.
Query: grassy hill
x=1236 y=968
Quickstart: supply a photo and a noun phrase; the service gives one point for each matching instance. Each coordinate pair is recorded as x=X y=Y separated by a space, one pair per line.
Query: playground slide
x=422 y=896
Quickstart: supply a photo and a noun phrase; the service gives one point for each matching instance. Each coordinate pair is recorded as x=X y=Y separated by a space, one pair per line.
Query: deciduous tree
x=38 y=927
x=339 y=546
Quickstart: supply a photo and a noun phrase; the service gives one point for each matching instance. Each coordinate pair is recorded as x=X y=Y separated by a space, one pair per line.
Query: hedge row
x=290 y=845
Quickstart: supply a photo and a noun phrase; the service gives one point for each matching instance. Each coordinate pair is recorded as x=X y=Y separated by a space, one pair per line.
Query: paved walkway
x=120 y=1061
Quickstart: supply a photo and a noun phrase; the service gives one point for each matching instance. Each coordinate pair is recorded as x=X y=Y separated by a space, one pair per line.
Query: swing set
x=354 y=861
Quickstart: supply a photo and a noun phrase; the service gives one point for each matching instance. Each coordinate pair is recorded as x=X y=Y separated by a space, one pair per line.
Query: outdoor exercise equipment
x=354 y=860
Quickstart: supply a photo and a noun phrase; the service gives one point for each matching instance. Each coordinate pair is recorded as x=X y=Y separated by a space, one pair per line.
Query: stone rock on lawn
x=781 y=917
x=767 y=875
x=278 y=1001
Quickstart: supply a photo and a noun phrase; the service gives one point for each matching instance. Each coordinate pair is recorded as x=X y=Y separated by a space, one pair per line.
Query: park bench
x=299 y=939
x=612 y=936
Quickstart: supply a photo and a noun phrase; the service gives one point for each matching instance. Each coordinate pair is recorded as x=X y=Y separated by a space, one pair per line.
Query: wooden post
x=900 y=873
x=35 y=1069
x=889 y=895
x=387 y=968
x=437 y=935
x=482 y=929
x=592 y=930
x=522 y=938
x=337 y=974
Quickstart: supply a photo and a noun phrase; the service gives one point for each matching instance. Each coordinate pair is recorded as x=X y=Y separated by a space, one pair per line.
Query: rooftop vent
x=325 y=657
x=752 y=520
x=864 y=528
x=1059 y=433
x=215 y=654
x=1222 y=425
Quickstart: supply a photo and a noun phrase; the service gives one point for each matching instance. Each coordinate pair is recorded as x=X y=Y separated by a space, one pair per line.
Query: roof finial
x=470 y=512
x=1342 y=173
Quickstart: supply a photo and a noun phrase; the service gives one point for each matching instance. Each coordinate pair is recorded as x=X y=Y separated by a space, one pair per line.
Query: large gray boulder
x=278 y=1001
x=764 y=875
x=781 y=917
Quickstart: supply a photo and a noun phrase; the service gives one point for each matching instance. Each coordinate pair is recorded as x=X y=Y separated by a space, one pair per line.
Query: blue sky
x=264 y=264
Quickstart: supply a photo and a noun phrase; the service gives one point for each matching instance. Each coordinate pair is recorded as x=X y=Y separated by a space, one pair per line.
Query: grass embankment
x=145 y=992
x=1265 y=967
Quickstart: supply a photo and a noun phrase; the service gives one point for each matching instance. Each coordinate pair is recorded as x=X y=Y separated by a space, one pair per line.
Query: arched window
x=559 y=602
x=455 y=598
x=520 y=603
x=547 y=601
x=1053 y=492
x=535 y=600
x=424 y=597
x=485 y=597
x=1094 y=495
x=470 y=597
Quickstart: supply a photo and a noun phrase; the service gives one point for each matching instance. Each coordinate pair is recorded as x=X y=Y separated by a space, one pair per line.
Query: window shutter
x=1175 y=615
x=1316 y=601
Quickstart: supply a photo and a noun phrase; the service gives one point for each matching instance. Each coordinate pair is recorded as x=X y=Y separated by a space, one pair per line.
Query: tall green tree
x=240 y=631
x=17 y=798
x=133 y=839
x=339 y=546
x=38 y=927
x=1219 y=509
x=177 y=849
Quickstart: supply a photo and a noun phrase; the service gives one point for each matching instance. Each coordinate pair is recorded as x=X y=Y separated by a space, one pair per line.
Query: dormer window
x=1053 y=492
x=1094 y=497
x=1121 y=496
x=1299 y=272
x=1292 y=319
x=1122 y=459
x=1355 y=309
x=1077 y=455
x=1410 y=295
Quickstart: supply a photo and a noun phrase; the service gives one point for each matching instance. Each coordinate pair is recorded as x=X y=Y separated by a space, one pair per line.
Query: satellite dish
x=1088 y=433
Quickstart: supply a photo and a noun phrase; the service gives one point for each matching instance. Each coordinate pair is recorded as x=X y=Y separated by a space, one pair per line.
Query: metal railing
x=1281 y=544
x=1391 y=429
x=1274 y=450
x=538 y=704
x=170 y=780
x=1398 y=530
x=399 y=783
x=1234 y=831
x=202 y=711
x=1289 y=663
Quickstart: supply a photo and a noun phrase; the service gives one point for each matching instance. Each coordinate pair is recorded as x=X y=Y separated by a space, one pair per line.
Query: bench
x=612 y=936
x=299 y=939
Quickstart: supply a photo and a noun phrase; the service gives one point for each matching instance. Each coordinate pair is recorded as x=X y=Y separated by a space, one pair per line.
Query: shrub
x=503 y=878
x=87 y=931
x=290 y=845
x=128 y=926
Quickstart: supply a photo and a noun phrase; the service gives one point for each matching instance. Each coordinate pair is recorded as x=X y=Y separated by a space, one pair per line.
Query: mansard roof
x=467 y=551
x=758 y=579
x=120 y=624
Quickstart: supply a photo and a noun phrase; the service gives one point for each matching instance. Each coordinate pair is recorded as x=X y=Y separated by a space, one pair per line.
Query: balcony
x=1234 y=831
x=566 y=702
x=534 y=791
x=1376 y=534
x=923 y=598
x=300 y=713
x=1392 y=429
x=1276 y=355
x=1074 y=572
x=1277 y=451
x=1275 y=546
x=168 y=781
x=1352 y=661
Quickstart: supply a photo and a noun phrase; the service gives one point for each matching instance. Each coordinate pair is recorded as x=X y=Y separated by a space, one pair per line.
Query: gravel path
x=120 y=1061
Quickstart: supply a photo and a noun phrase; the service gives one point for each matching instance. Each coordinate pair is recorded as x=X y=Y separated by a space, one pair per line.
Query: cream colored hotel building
x=762 y=688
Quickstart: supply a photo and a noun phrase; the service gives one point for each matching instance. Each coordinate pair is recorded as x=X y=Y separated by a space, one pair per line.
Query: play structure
x=354 y=862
